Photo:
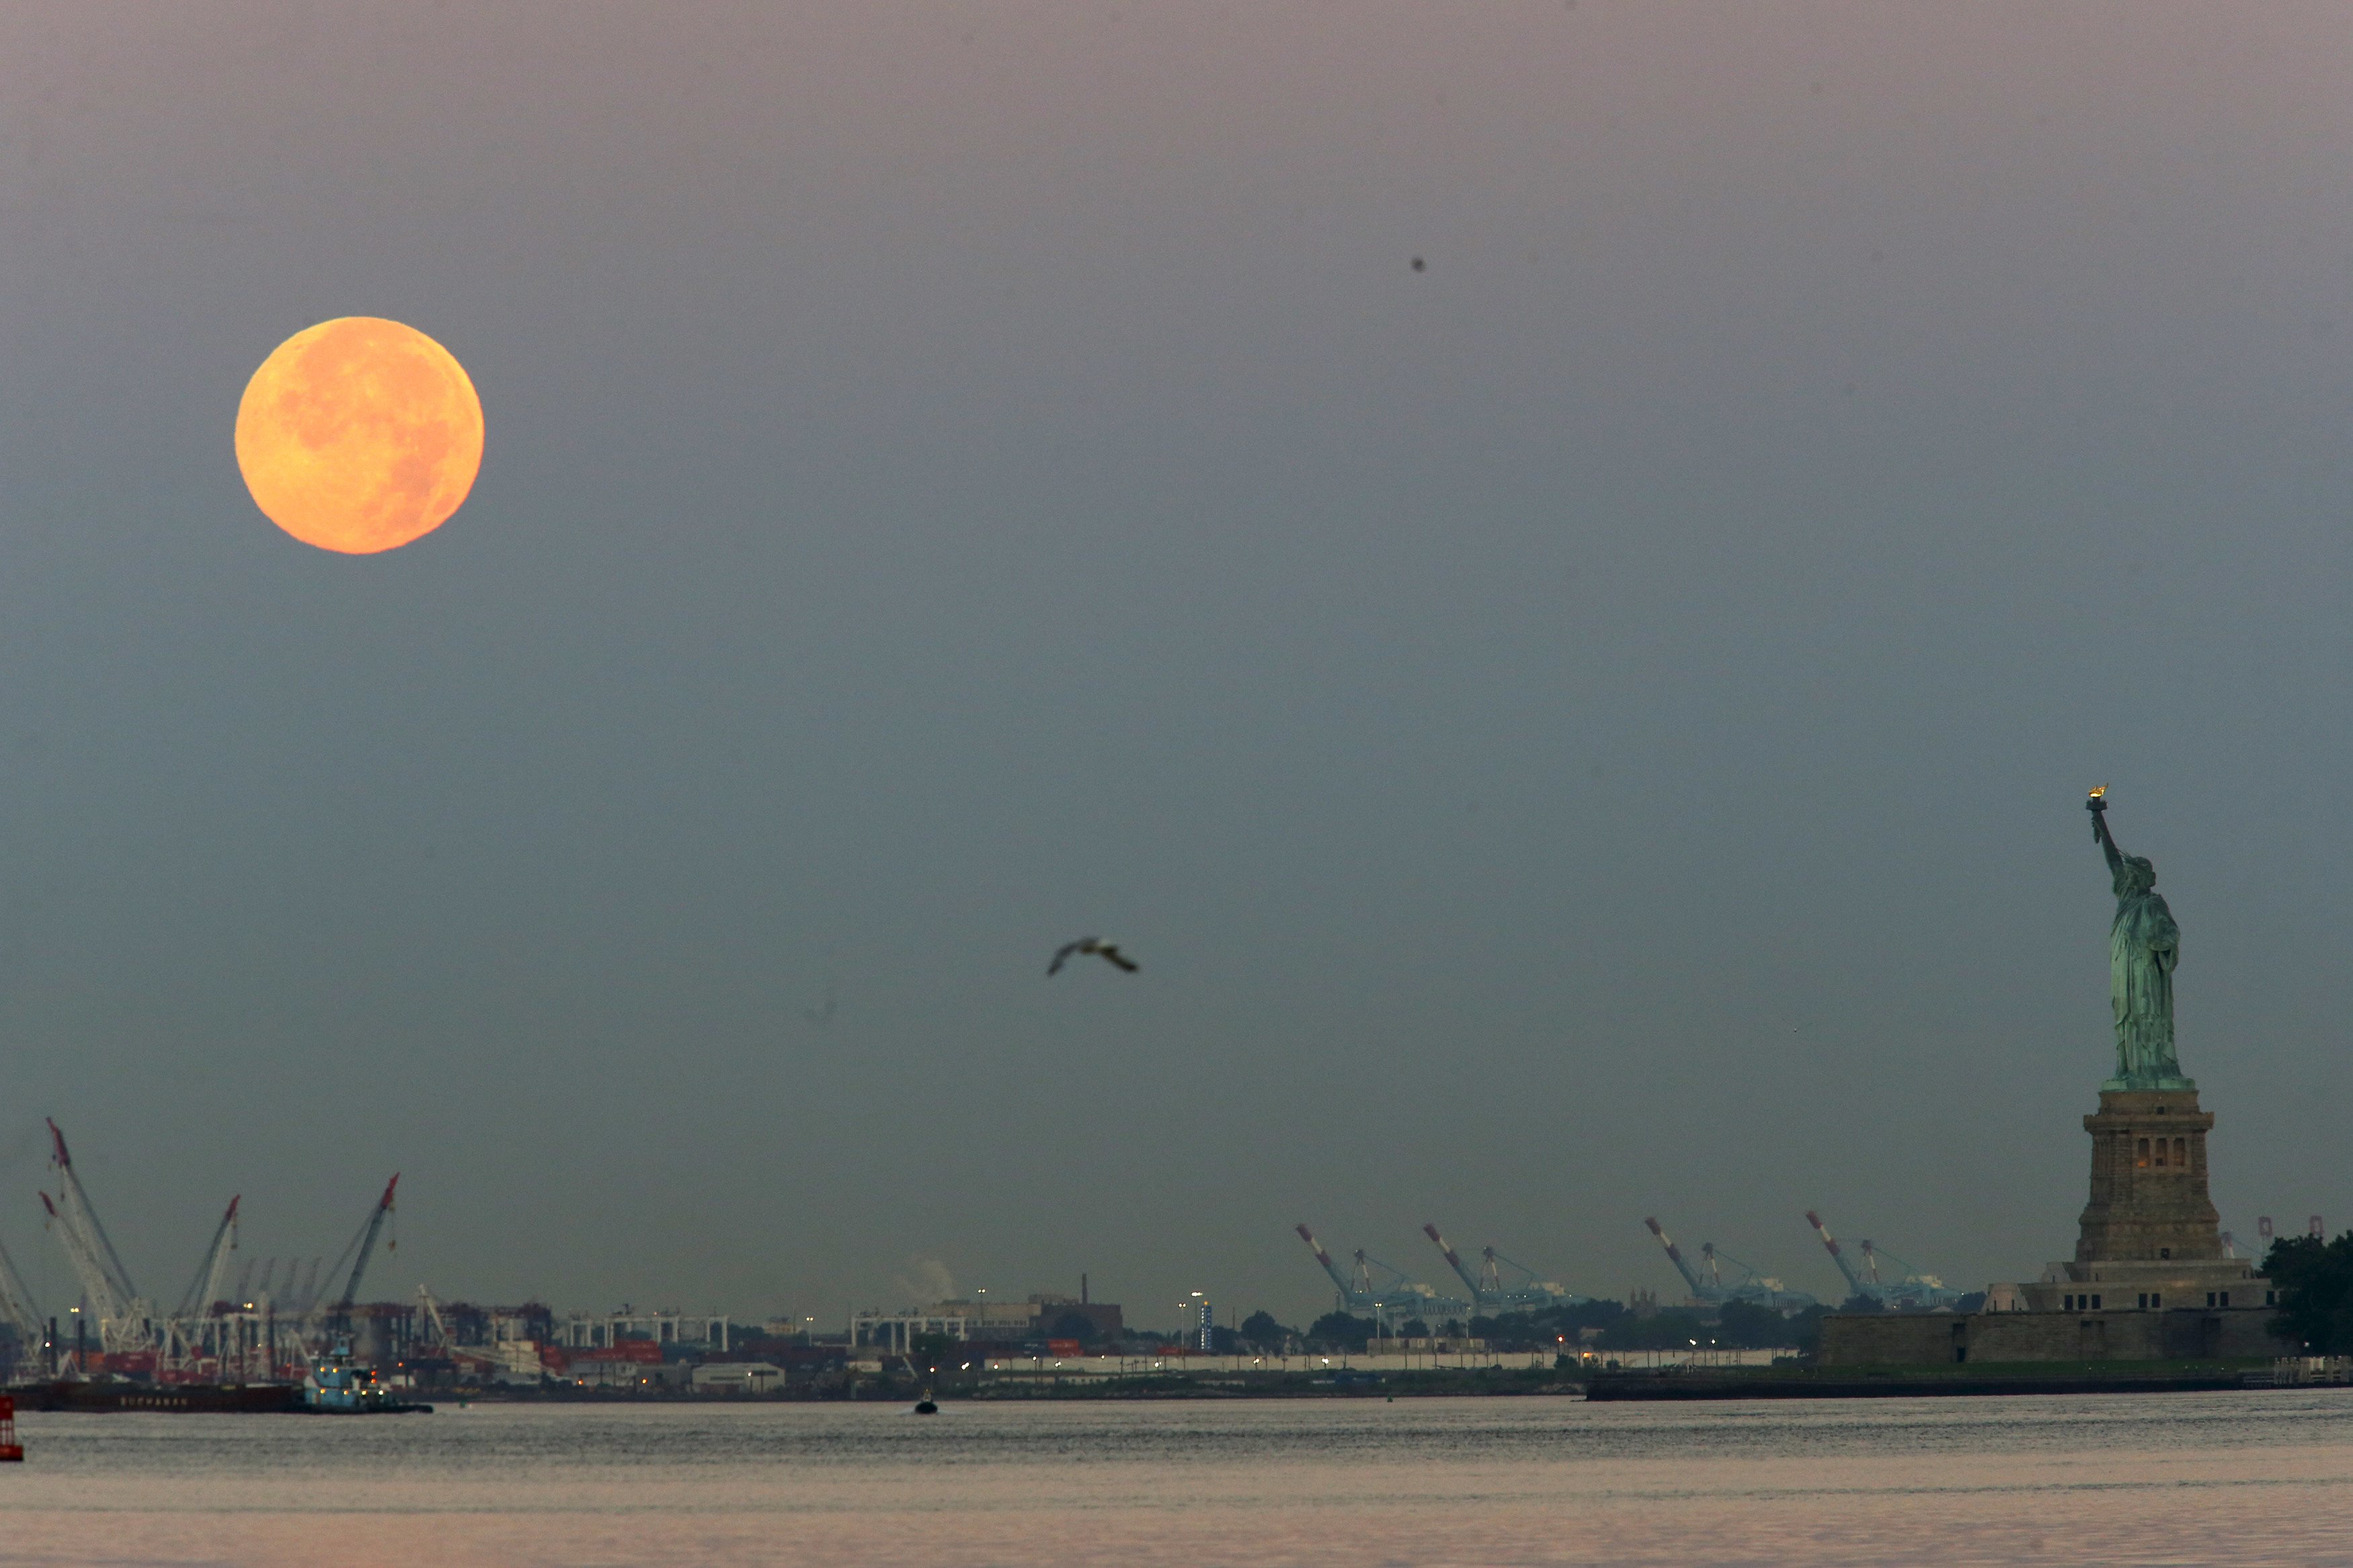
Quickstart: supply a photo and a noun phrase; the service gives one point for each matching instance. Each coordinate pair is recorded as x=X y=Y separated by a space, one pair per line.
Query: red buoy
x=9 y=1448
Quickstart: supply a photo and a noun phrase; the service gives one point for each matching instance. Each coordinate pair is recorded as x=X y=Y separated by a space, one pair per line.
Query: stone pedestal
x=2150 y=1238
x=2149 y=1281
x=2149 y=1202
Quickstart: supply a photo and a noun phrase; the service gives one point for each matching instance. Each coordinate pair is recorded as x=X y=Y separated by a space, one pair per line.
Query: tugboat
x=927 y=1404
x=337 y=1387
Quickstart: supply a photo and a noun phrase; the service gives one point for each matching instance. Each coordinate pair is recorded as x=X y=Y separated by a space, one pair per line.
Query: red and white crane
x=1854 y=1281
x=204 y=1289
x=126 y=1320
x=196 y=1338
x=359 y=1250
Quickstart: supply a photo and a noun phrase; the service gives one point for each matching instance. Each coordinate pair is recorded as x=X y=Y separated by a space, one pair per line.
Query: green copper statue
x=2144 y=945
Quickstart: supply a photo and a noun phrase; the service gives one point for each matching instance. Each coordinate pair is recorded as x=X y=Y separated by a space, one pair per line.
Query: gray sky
x=1589 y=730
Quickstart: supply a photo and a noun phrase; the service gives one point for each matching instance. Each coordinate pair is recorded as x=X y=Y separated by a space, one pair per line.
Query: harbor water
x=2242 y=1477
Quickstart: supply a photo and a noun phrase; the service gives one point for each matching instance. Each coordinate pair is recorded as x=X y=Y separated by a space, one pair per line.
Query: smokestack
x=1082 y=1289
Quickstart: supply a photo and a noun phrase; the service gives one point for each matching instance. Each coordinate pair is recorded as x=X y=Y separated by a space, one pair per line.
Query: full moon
x=359 y=434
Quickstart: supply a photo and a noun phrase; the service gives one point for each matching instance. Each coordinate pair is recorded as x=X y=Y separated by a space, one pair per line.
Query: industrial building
x=979 y=1319
x=594 y=1331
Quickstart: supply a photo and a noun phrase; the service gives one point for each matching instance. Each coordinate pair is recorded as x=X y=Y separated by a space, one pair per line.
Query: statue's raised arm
x=2097 y=804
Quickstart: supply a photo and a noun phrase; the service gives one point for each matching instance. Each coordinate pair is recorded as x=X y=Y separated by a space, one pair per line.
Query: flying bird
x=1107 y=951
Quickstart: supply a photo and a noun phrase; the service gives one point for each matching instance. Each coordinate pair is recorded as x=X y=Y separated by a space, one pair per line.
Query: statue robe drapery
x=2144 y=945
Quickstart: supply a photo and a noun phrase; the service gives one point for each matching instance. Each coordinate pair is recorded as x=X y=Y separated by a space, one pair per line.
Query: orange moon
x=359 y=434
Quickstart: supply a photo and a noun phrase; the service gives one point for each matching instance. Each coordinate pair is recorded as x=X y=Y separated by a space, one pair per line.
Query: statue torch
x=2097 y=802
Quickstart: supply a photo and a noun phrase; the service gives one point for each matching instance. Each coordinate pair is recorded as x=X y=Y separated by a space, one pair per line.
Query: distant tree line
x=2317 y=1307
x=2313 y=1280
x=1739 y=1325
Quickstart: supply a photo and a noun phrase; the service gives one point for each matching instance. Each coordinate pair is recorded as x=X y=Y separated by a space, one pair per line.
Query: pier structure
x=603 y=1331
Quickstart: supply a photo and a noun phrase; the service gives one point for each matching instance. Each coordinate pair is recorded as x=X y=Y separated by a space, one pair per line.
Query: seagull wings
x=1107 y=951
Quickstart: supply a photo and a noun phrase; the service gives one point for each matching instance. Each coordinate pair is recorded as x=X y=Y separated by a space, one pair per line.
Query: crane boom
x=89 y=1272
x=441 y=1337
x=17 y=1306
x=206 y=1288
x=1690 y=1275
x=1709 y=1266
x=1339 y=1279
x=1911 y=1277
x=77 y=1214
x=125 y=1319
x=1854 y=1280
x=1525 y=1287
x=1471 y=1280
x=364 y=1245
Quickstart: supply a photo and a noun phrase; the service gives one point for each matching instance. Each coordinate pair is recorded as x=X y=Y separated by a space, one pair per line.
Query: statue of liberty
x=2144 y=945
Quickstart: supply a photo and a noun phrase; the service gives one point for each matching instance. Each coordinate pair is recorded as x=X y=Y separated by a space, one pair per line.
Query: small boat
x=927 y=1406
x=339 y=1387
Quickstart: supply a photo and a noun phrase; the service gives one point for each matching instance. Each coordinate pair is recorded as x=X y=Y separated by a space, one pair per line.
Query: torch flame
x=2099 y=792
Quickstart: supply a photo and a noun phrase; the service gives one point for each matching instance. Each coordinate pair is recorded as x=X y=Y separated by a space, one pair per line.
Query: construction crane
x=361 y=1248
x=1908 y=1289
x=125 y=1319
x=1491 y=1294
x=1855 y=1283
x=1523 y=1285
x=206 y=1288
x=17 y=1307
x=438 y=1339
x=1477 y=1296
x=1699 y=1287
x=1395 y=1299
x=471 y=1360
x=1710 y=1287
x=1340 y=1280
x=192 y=1333
x=1381 y=1292
x=1749 y=1284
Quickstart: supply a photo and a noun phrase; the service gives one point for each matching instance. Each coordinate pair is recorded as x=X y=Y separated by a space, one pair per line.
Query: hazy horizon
x=1591 y=729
